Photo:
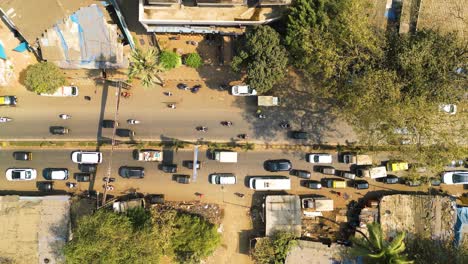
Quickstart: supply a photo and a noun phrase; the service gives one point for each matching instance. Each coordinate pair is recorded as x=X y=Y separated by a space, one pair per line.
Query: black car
x=83 y=177
x=123 y=132
x=169 y=168
x=182 y=86
x=190 y=164
x=88 y=168
x=22 y=155
x=58 y=130
x=182 y=178
x=360 y=184
x=301 y=173
x=313 y=184
x=155 y=198
x=390 y=179
x=278 y=165
x=109 y=123
x=45 y=186
x=299 y=135
x=132 y=172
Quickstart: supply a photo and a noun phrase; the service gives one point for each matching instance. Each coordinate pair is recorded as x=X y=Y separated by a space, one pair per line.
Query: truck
x=63 y=91
x=149 y=155
x=124 y=206
x=358 y=159
x=372 y=172
x=8 y=100
x=225 y=156
x=267 y=101
x=317 y=204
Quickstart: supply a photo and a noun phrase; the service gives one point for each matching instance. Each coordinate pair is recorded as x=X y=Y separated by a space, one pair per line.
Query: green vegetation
x=263 y=58
x=194 y=60
x=375 y=249
x=273 y=250
x=145 y=65
x=141 y=237
x=169 y=60
x=425 y=250
x=44 y=77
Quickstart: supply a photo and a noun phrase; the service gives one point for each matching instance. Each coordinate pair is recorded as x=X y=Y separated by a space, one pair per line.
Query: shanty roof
x=283 y=213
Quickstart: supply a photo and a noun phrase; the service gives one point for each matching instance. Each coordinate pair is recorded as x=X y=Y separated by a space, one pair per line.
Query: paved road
x=155 y=181
x=35 y=114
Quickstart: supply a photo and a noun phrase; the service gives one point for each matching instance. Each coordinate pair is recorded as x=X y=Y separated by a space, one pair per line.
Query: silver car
x=455 y=177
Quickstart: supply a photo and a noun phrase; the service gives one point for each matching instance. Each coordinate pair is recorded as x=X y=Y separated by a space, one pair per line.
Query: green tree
x=107 y=237
x=377 y=250
x=144 y=64
x=263 y=57
x=273 y=249
x=170 y=60
x=44 y=77
x=247 y=146
x=194 y=60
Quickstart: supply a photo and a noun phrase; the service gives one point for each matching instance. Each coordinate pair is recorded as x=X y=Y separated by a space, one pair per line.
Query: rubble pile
x=211 y=212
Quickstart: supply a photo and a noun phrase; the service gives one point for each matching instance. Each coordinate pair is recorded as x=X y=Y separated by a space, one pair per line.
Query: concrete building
x=309 y=252
x=283 y=213
x=33 y=229
x=229 y=17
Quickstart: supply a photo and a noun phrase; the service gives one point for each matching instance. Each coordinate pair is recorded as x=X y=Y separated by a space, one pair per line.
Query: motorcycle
x=285 y=125
x=226 y=123
x=195 y=88
x=64 y=116
x=173 y=106
x=5 y=119
x=71 y=185
x=261 y=116
x=167 y=93
x=202 y=129
x=125 y=94
x=242 y=136
x=133 y=121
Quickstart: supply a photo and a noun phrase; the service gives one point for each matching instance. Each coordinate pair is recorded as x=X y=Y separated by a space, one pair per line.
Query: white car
x=21 y=174
x=86 y=157
x=450 y=109
x=222 y=178
x=455 y=177
x=64 y=91
x=324 y=158
x=243 y=90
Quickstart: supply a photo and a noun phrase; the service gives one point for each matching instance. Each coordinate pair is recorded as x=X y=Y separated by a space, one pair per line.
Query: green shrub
x=44 y=77
x=169 y=60
x=193 y=60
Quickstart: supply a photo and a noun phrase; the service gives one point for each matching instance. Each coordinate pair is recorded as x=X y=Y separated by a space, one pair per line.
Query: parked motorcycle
x=64 y=116
x=261 y=116
x=226 y=123
x=195 y=88
x=133 y=121
x=167 y=93
x=202 y=129
x=285 y=125
x=173 y=106
x=242 y=136
x=5 y=119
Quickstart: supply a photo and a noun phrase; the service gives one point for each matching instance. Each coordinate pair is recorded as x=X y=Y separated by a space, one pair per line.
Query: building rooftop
x=32 y=19
x=309 y=252
x=283 y=213
x=446 y=16
x=34 y=228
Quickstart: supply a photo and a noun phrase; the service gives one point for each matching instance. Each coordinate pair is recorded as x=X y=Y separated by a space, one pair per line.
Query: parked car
x=360 y=184
x=413 y=183
x=63 y=91
x=450 y=109
x=9 y=100
x=243 y=90
x=109 y=123
x=83 y=177
x=455 y=177
x=278 y=165
x=155 y=198
x=45 y=186
x=223 y=178
x=123 y=132
x=86 y=157
x=190 y=164
x=169 y=168
x=313 y=185
x=88 y=168
x=301 y=173
x=319 y=158
x=58 y=130
x=389 y=179
x=56 y=174
x=22 y=155
x=182 y=178
x=435 y=181
x=348 y=175
x=299 y=135
x=132 y=172
x=329 y=170
x=21 y=174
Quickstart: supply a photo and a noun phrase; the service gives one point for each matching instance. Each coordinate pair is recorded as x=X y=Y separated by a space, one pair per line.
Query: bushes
x=193 y=60
x=169 y=60
x=44 y=77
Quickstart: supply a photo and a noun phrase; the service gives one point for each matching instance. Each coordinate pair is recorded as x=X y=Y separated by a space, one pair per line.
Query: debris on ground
x=211 y=212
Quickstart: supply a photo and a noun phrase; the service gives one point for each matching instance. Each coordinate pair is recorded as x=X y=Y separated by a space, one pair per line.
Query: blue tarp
x=462 y=219
x=21 y=47
x=2 y=52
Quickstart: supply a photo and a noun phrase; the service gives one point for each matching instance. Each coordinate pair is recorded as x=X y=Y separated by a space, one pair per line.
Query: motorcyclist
x=173 y=106
x=65 y=116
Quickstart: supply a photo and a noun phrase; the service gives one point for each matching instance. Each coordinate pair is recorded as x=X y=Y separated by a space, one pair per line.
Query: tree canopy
x=44 y=77
x=273 y=249
x=194 y=60
x=144 y=64
x=169 y=60
x=263 y=58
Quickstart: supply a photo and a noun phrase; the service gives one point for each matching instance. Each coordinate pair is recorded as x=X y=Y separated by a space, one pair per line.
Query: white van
x=64 y=91
x=270 y=183
x=90 y=157
x=222 y=178
x=225 y=156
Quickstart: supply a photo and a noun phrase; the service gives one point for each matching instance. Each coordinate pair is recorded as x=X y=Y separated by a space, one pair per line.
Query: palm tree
x=376 y=250
x=145 y=65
